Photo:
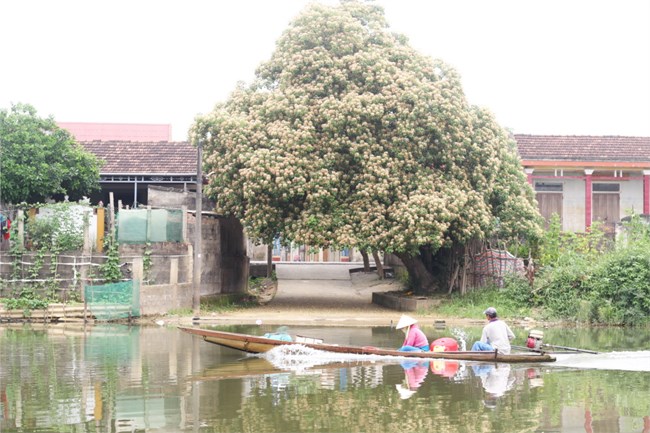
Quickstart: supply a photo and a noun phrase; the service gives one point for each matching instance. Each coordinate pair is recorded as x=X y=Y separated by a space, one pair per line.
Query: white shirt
x=498 y=380
x=498 y=335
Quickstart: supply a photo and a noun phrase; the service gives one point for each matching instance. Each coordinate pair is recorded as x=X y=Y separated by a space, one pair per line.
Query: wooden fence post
x=149 y=225
x=21 y=229
x=101 y=227
x=184 y=224
x=87 y=245
x=111 y=213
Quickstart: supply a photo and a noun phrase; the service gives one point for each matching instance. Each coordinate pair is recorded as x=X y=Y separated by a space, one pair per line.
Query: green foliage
x=146 y=261
x=552 y=241
x=58 y=227
x=557 y=246
x=110 y=270
x=41 y=160
x=584 y=279
x=350 y=137
x=621 y=286
x=560 y=288
x=404 y=279
x=512 y=301
x=587 y=280
x=26 y=300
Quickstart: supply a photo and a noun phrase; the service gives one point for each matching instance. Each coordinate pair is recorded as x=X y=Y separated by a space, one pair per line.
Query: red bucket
x=444 y=344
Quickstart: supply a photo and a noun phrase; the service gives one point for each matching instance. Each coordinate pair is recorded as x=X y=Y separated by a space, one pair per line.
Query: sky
x=559 y=67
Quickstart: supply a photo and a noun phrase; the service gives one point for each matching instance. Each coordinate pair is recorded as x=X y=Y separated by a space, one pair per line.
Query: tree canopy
x=350 y=137
x=39 y=160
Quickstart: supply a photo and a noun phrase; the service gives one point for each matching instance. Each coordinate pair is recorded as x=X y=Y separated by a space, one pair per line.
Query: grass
x=224 y=304
x=474 y=303
x=216 y=304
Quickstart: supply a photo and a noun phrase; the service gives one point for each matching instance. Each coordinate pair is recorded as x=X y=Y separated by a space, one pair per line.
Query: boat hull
x=256 y=344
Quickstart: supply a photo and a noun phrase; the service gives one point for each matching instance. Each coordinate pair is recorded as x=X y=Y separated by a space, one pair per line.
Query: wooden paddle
x=571 y=349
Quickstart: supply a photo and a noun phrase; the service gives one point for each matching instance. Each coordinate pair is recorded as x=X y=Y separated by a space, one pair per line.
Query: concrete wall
x=573 y=205
x=224 y=259
x=167 y=282
x=161 y=255
x=631 y=197
x=162 y=298
x=573 y=202
x=166 y=197
x=73 y=270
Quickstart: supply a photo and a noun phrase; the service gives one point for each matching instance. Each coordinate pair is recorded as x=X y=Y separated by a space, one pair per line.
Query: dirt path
x=321 y=303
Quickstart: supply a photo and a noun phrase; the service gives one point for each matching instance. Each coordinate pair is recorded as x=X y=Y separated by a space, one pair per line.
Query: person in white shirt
x=496 y=334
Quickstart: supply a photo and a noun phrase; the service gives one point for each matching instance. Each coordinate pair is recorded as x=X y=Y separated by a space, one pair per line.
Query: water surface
x=158 y=379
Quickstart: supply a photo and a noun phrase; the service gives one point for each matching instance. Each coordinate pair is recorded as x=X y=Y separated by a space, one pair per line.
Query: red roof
x=130 y=157
x=118 y=131
x=583 y=148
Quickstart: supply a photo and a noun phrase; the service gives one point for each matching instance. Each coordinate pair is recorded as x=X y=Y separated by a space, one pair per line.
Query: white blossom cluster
x=349 y=137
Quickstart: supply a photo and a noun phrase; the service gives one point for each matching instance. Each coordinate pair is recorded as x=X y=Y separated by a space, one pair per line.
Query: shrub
x=560 y=288
x=622 y=283
x=589 y=281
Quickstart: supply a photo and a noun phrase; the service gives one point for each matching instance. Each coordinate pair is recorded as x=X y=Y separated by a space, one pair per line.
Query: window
x=606 y=187
x=548 y=187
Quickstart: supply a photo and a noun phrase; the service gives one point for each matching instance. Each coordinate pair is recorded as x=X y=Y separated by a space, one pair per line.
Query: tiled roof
x=145 y=132
x=130 y=157
x=162 y=157
x=583 y=148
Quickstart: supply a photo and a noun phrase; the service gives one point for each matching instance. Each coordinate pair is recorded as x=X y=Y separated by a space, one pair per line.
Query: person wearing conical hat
x=414 y=340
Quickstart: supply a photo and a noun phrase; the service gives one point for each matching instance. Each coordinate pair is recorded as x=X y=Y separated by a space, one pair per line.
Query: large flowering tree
x=349 y=137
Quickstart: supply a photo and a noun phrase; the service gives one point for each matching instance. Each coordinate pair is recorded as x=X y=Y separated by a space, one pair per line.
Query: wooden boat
x=256 y=344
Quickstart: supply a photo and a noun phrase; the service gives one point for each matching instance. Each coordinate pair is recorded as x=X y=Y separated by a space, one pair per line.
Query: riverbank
x=307 y=302
x=320 y=303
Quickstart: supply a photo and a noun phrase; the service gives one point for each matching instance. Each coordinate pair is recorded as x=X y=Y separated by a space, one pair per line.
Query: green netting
x=139 y=226
x=132 y=226
x=174 y=226
x=113 y=301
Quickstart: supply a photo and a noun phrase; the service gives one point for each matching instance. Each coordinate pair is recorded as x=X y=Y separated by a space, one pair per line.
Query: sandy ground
x=320 y=303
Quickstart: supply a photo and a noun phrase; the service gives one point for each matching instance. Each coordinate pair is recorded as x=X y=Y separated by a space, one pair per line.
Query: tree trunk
x=463 y=279
x=380 y=267
x=269 y=260
x=423 y=281
x=452 y=283
x=366 y=260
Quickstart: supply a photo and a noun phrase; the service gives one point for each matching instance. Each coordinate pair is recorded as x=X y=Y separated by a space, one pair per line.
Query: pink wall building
x=138 y=132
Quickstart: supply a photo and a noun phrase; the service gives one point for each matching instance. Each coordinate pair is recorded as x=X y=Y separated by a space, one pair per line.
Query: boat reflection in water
x=495 y=378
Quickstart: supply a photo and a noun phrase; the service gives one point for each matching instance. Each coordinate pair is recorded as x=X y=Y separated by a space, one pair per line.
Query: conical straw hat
x=405 y=321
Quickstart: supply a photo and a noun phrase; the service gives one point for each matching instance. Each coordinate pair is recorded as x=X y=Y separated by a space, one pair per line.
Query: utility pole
x=196 y=296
